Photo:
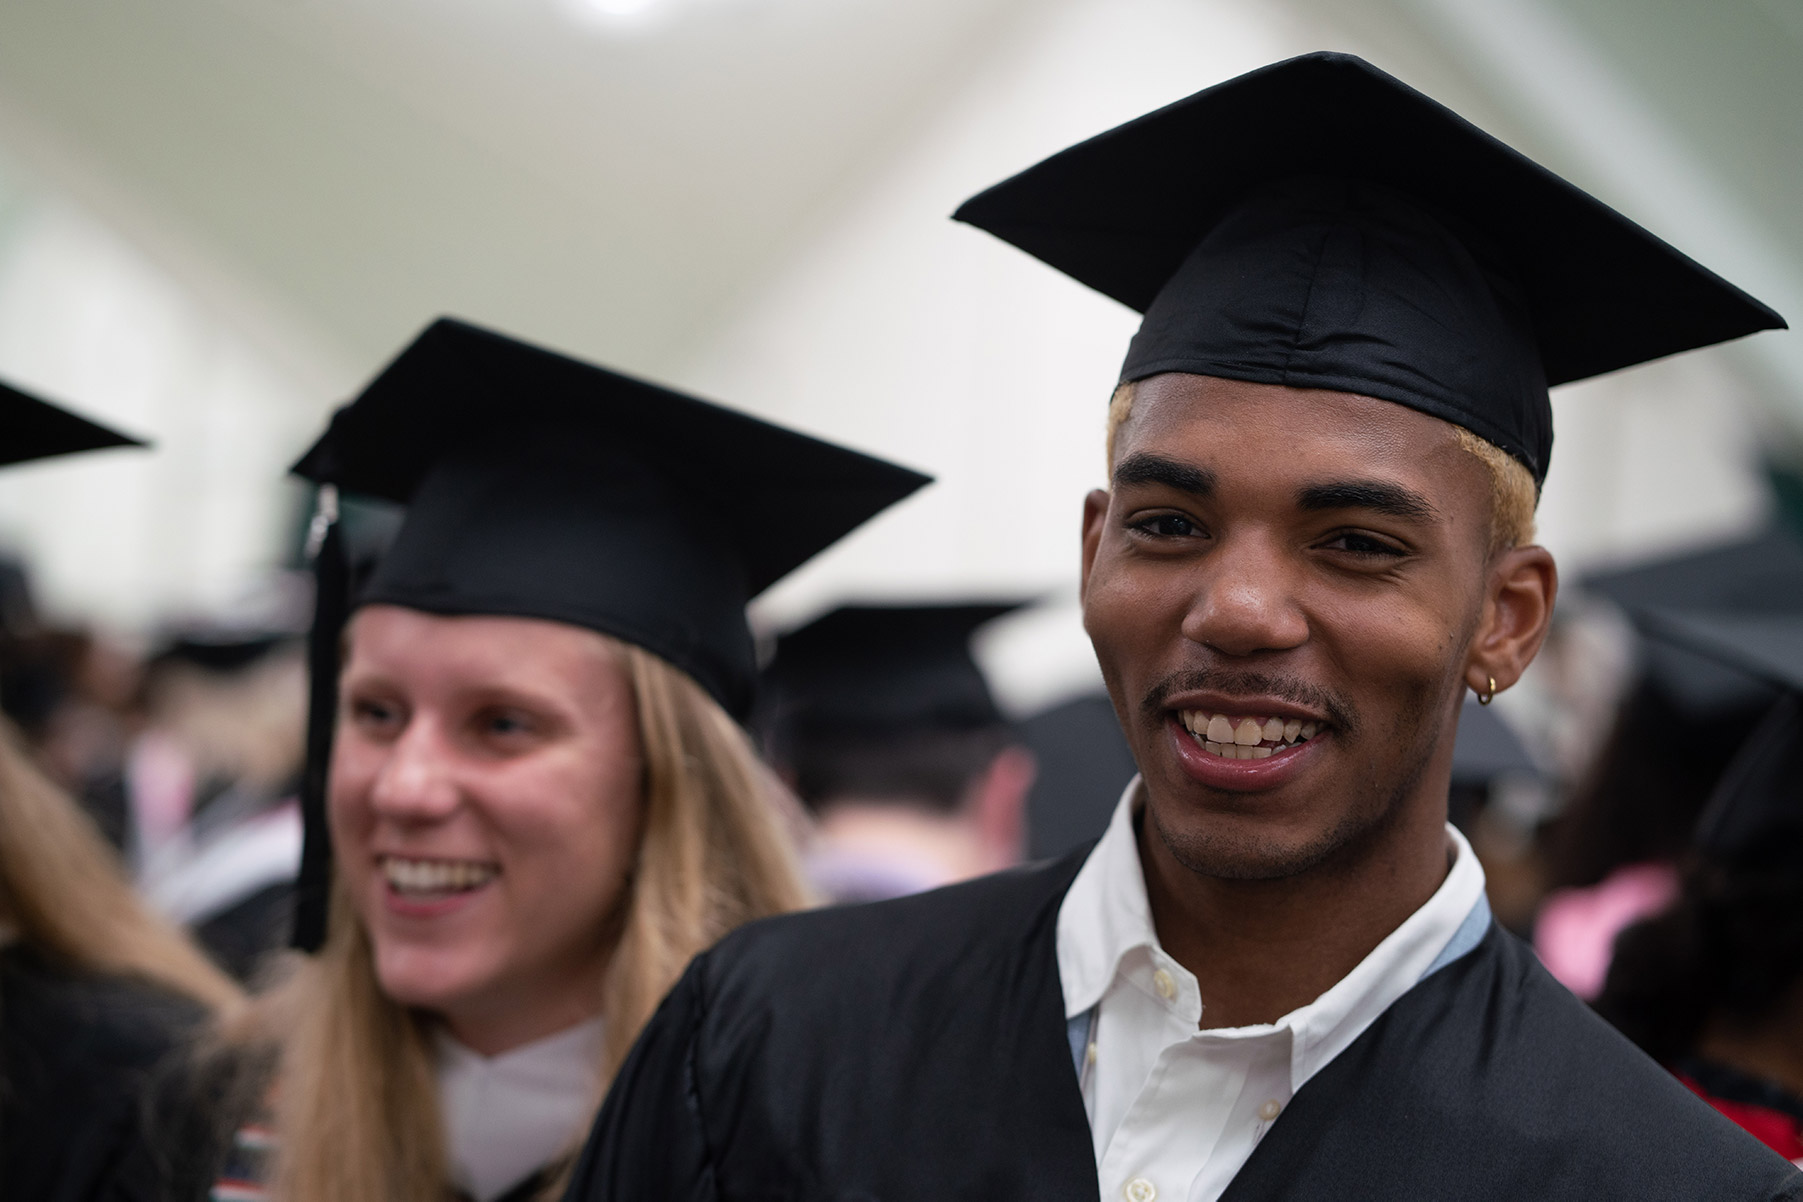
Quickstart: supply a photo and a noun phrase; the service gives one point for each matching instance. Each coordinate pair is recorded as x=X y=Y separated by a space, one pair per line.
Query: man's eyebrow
x=1379 y=496
x=1141 y=468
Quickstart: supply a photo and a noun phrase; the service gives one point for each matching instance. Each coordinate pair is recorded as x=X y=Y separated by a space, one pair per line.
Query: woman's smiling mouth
x=427 y=879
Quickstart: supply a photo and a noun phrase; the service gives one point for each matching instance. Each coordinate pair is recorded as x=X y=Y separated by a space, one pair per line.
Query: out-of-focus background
x=218 y=217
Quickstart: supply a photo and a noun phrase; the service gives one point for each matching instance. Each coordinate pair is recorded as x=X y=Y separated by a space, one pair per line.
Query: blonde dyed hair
x=356 y=1103
x=64 y=895
x=1513 y=493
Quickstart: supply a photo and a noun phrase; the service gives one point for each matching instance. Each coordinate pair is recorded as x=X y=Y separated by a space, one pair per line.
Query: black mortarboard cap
x=540 y=486
x=881 y=669
x=1487 y=748
x=1758 y=803
x=1319 y=224
x=1768 y=646
x=36 y=429
x=1761 y=573
x=1757 y=806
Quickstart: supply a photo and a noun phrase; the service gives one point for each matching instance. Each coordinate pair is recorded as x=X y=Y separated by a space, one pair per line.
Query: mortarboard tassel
x=331 y=608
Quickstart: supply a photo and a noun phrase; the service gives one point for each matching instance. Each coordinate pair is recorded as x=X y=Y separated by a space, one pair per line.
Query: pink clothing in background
x=1575 y=936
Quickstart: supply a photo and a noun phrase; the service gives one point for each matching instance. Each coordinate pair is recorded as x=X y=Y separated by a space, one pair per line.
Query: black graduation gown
x=917 y=1050
x=77 y=1052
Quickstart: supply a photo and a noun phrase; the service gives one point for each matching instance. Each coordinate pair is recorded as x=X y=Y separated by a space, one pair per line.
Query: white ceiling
x=346 y=169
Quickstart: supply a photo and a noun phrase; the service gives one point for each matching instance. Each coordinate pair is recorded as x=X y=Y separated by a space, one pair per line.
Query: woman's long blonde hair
x=64 y=895
x=356 y=1104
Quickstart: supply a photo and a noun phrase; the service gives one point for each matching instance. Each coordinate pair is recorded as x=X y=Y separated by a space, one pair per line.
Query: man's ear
x=1518 y=609
x=1095 y=513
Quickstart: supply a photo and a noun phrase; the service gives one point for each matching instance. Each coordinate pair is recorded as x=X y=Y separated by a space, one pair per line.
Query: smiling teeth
x=1246 y=738
x=436 y=876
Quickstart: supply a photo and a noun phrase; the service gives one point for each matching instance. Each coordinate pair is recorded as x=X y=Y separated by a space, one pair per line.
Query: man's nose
x=1246 y=599
x=416 y=782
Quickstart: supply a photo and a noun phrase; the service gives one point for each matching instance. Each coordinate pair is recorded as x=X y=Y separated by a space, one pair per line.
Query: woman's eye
x=505 y=724
x=1167 y=525
x=374 y=715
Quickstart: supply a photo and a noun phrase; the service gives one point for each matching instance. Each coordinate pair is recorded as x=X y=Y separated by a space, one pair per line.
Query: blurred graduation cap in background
x=1757 y=807
x=540 y=486
x=1761 y=574
x=1320 y=224
x=882 y=668
x=33 y=429
x=883 y=702
x=36 y=429
x=1488 y=749
x=882 y=721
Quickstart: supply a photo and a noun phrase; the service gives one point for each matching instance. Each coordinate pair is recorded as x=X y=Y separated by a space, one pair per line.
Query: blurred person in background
x=70 y=692
x=215 y=772
x=1496 y=800
x=1276 y=975
x=1613 y=854
x=1083 y=764
x=95 y=990
x=539 y=804
x=883 y=724
x=1711 y=985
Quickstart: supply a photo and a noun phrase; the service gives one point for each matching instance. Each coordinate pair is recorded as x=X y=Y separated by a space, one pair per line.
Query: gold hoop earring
x=1486 y=698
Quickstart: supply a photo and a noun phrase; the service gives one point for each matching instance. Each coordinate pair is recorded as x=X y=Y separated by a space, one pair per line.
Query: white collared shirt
x=1176 y=1110
x=508 y=1116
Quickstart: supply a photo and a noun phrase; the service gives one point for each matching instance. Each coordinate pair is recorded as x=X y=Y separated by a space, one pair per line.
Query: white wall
x=132 y=537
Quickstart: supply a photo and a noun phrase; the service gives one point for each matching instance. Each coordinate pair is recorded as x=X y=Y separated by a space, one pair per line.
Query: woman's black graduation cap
x=1318 y=223
x=36 y=429
x=882 y=669
x=541 y=486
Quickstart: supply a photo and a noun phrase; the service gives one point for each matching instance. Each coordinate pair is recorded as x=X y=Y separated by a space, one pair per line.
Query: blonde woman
x=94 y=990
x=539 y=803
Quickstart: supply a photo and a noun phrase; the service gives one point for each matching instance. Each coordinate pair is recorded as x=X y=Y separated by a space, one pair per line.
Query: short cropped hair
x=934 y=769
x=1513 y=493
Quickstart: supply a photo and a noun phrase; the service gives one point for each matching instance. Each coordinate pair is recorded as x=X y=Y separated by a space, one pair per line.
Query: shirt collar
x=1105 y=916
x=508 y=1116
x=1105 y=913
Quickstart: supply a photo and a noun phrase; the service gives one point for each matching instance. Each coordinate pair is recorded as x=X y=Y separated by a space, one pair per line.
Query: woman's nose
x=415 y=782
x=1245 y=601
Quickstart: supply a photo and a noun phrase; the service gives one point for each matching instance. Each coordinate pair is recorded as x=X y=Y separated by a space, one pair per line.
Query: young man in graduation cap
x=882 y=722
x=1275 y=976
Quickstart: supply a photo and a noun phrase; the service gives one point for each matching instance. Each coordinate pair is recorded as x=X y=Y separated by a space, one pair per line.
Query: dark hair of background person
x=1729 y=950
x=1640 y=799
x=929 y=768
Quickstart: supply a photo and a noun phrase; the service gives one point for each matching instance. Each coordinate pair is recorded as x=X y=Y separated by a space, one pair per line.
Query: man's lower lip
x=1244 y=775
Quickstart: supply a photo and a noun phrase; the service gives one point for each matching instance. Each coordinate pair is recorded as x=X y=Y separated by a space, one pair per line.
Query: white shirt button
x=1167 y=988
x=1139 y=1190
x=1270 y=1110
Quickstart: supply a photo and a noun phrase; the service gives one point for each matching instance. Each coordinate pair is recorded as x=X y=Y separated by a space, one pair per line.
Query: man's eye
x=1168 y=525
x=1365 y=545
